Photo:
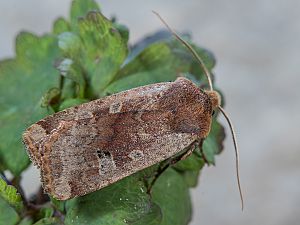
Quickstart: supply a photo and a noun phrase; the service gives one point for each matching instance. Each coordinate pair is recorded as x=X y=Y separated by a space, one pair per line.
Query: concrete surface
x=257 y=47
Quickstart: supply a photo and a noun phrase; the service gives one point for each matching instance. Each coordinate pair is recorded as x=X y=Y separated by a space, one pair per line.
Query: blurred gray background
x=257 y=45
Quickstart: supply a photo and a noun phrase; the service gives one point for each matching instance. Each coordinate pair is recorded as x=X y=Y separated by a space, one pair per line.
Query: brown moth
x=87 y=147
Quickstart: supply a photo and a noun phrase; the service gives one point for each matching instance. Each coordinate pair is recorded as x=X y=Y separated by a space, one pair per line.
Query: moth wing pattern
x=87 y=147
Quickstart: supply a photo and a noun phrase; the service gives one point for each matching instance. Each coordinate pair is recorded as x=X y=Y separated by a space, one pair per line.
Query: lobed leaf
x=23 y=82
x=10 y=194
x=97 y=48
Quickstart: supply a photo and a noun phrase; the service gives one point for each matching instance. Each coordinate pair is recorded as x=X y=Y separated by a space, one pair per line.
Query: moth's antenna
x=236 y=153
x=206 y=72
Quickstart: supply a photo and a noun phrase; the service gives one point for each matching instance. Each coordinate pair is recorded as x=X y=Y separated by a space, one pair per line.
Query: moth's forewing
x=90 y=146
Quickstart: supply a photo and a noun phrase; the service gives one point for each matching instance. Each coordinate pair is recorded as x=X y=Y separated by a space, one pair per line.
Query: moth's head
x=215 y=98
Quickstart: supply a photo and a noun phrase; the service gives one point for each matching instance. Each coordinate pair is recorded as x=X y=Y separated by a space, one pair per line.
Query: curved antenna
x=206 y=72
x=237 y=162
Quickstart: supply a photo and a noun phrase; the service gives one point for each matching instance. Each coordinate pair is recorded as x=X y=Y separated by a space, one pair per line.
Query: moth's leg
x=173 y=161
x=148 y=179
x=186 y=154
x=159 y=172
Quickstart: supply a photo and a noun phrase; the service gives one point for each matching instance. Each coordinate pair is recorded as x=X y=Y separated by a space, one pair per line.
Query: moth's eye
x=213 y=112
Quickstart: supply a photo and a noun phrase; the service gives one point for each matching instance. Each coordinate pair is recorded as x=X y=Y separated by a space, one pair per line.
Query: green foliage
x=86 y=57
x=80 y=8
x=213 y=143
x=25 y=221
x=8 y=215
x=10 y=204
x=120 y=203
x=49 y=221
x=172 y=195
x=10 y=194
x=23 y=82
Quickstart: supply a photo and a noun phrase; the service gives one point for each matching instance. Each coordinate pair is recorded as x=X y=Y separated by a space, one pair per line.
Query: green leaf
x=23 y=82
x=191 y=177
x=159 y=36
x=58 y=205
x=80 y=8
x=124 y=202
x=153 y=217
x=46 y=211
x=8 y=215
x=213 y=144
x=26 y=221
x=193 y=162
x=61 y=25
x=71 y=102
x=71 y=70
x=49 y=221
x=161 y=61
x=10 y=194
x=172 y=195
x=69 y=43
x=155 y=64
x=123 y=30
x=103 y=51
x=50 y=97
x=95 y=51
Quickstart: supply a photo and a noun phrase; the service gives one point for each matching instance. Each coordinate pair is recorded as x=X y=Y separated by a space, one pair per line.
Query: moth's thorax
x=195 y=107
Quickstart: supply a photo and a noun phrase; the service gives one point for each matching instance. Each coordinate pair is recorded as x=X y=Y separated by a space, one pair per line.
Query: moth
x=87 y=147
